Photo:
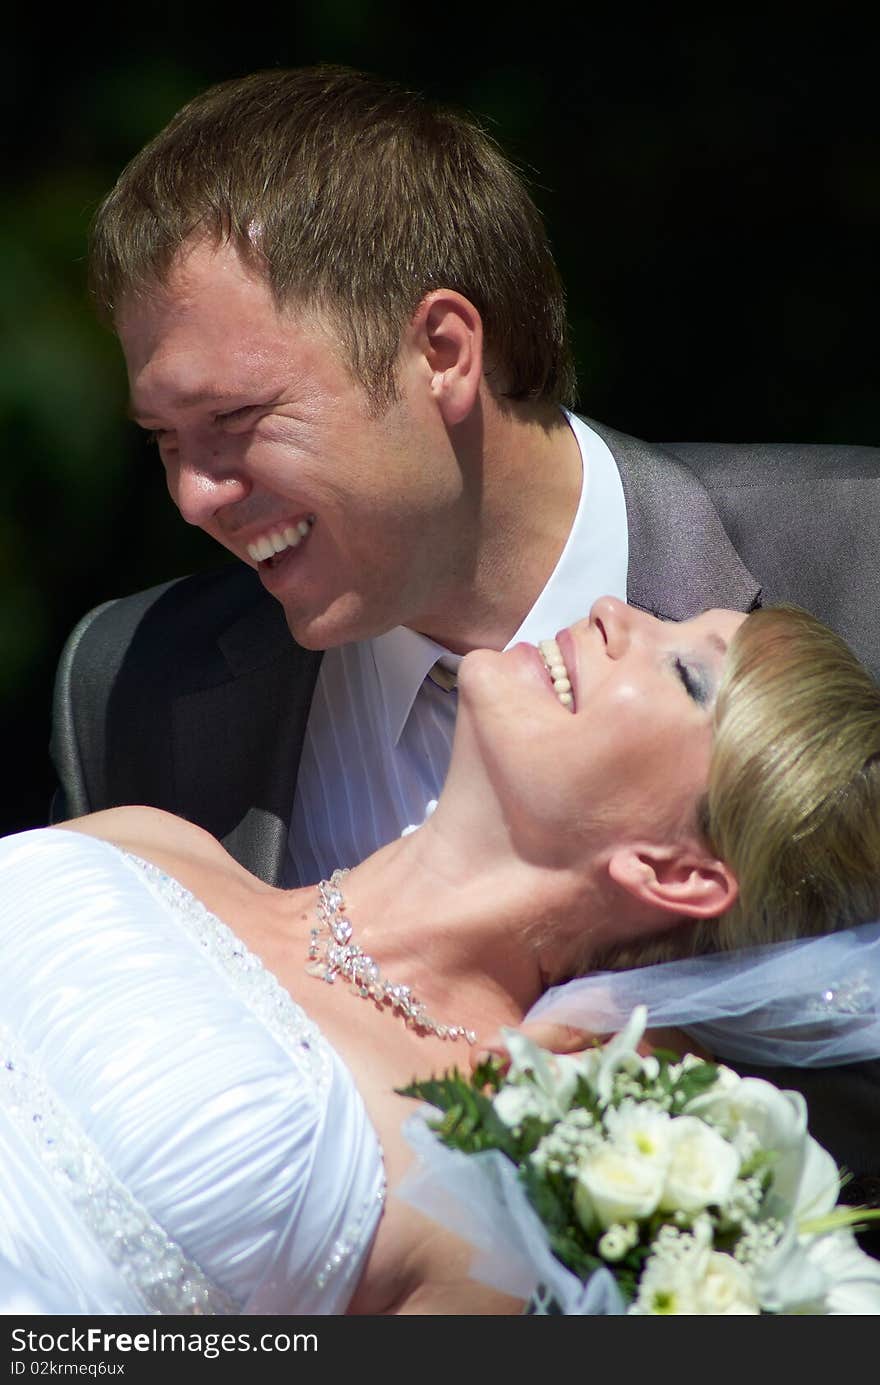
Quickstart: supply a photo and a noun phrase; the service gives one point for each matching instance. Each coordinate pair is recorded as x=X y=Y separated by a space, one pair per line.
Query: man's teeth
x=277 y=540
x=552 y=656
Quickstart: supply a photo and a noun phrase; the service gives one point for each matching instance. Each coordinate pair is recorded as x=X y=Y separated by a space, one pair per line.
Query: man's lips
x=278 y=539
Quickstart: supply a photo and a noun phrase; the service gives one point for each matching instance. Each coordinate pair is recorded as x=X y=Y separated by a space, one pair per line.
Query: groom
x=344 y=327
x=343 y=324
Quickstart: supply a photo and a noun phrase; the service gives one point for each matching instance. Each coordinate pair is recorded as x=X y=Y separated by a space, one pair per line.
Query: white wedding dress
x=176 y=1136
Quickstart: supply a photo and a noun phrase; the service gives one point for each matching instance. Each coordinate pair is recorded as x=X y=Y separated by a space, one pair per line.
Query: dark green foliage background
x=712 y=187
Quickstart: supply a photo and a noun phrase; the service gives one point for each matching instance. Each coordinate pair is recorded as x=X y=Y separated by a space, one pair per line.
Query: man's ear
x=447 y=330
x=685 y=879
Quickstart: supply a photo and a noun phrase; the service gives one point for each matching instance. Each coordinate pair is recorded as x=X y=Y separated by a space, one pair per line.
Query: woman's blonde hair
x=793 y=803
x=793 y=800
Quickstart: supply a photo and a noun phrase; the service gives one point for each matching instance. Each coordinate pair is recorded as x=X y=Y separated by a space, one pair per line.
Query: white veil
x=812 y=1002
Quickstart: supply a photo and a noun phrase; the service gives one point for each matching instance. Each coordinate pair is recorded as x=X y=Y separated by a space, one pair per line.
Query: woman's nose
x=621 y=624
x=612 y=618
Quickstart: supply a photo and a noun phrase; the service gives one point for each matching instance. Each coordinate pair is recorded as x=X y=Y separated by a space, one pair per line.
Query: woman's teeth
x=277 y=540
x=555 y=664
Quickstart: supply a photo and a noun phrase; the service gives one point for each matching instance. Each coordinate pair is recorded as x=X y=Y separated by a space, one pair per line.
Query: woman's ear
x=447 y=330
x=685 y=879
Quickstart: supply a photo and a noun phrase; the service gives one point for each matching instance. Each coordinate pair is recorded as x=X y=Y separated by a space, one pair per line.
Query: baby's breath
x=745 y=1201
x=651 y=1169
x=562 y=1148
x=757 y=1240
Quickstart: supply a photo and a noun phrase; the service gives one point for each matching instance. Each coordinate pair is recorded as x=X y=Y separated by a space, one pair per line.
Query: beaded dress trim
x=252 y=982
x=149 y=1261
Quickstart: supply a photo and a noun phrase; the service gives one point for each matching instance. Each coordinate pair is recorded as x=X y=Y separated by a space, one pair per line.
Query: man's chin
x=329 y=629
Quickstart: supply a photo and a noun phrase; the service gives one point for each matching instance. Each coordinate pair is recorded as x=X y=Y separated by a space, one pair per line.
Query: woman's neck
x=470 y=934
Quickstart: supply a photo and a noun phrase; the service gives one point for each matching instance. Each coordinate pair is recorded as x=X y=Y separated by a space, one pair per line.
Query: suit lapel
x=681 y=560
x=237 y=743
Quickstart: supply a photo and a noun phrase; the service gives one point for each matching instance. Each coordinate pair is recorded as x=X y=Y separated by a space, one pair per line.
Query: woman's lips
x=554 y=662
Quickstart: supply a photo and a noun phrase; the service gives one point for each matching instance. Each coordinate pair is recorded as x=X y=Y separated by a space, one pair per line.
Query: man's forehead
x=209 y=256
x=209 y=286
x=194 y=273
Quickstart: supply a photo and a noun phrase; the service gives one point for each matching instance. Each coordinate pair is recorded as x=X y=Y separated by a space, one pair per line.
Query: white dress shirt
x=379 y=734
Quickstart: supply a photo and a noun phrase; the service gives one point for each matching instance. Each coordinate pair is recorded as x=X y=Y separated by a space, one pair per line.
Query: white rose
x=702 y=1168
x=615 y=1185
x=726 y=1289
x=733 y=1101
x=749 y=1111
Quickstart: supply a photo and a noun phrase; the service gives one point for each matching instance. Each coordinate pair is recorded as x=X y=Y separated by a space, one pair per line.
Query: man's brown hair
x=354 y=197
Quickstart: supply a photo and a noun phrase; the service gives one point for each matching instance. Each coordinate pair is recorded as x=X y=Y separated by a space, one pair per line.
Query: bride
x=193 y=1121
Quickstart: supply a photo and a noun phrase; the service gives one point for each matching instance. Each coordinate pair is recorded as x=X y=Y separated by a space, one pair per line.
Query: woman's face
x=631 y=755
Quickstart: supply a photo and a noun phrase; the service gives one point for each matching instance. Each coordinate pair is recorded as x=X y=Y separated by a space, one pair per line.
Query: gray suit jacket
x=193 y=697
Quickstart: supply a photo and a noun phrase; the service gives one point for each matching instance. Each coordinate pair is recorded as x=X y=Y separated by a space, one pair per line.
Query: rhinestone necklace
x=332 y=953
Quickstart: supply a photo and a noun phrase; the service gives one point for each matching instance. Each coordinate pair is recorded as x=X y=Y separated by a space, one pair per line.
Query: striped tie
x=443 y=677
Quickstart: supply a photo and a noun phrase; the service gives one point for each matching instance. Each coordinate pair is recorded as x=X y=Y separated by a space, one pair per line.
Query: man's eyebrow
x=189 y=401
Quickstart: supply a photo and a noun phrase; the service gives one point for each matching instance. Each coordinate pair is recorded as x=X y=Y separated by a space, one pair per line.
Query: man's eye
x=156 y=437
x=164 y=440
x=694 y=685
x=234 y=416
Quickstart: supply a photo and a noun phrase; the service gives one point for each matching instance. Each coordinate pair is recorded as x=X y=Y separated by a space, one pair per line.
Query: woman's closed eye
x=693 y=680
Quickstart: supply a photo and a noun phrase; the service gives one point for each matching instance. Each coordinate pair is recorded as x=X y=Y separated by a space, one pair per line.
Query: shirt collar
x=592 y=563
x=403 y=660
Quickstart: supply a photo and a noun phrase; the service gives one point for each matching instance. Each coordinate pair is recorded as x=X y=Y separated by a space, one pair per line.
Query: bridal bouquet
x=609 y=1182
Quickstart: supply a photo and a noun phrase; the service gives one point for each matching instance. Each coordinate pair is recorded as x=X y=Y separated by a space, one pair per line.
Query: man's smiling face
x=268 y=441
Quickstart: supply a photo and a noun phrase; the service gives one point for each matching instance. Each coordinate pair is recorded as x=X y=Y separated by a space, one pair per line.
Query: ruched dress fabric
x=176 y=1135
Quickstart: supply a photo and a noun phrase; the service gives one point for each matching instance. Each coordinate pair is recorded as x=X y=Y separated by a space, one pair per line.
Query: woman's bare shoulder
x=152 y=834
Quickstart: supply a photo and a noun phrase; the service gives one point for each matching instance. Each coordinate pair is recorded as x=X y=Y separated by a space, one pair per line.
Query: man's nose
x=203 y=482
